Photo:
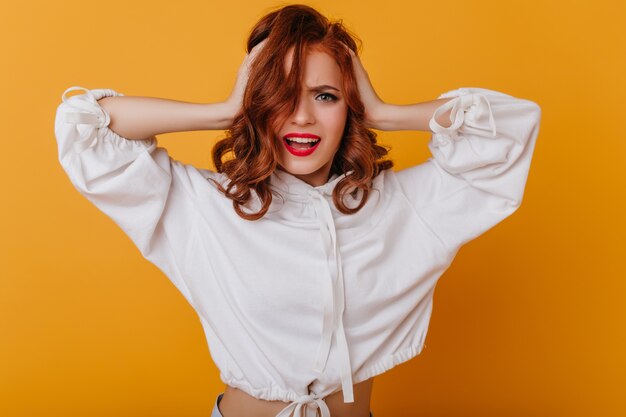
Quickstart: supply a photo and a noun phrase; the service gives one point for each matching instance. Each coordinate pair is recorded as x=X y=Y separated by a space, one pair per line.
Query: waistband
x=216 y=411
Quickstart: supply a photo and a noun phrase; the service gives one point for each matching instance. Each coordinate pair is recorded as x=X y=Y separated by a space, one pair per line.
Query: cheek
x=336 y=121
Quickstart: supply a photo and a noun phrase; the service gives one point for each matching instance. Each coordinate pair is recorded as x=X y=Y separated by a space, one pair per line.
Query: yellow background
x=530 y=320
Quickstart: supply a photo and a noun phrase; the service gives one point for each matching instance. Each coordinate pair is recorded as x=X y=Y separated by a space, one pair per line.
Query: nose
x=303 y=114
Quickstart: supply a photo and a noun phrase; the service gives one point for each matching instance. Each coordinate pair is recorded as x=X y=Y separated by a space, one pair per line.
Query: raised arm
x=479 y=166
x=482 y=144
x=411 y=116
x=385 y=116
x=139 y=118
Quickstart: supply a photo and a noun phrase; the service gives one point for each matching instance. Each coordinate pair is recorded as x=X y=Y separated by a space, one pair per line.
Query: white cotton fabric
x=308 y=301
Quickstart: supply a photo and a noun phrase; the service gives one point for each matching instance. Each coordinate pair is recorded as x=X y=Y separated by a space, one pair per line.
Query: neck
x=315 y=178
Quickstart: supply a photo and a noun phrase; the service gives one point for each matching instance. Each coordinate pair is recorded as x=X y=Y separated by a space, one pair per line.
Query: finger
x=259 y=46
x=250 y=56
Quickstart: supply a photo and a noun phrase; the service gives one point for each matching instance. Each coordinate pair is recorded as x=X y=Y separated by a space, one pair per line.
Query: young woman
x=311 y=264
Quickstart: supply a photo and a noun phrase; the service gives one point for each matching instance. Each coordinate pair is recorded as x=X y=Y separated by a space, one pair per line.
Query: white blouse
x=308 y=301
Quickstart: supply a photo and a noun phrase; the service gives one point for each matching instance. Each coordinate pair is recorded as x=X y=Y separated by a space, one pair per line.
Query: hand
x=373 y=104
x=235 y=101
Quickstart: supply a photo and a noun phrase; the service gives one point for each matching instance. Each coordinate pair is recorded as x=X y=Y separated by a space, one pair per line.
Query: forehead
x=318 y=68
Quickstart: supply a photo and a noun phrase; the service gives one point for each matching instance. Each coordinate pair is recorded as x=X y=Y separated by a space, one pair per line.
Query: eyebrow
x=323 y=87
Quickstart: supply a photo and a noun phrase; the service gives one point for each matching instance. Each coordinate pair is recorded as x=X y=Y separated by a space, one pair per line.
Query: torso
x=236 y=403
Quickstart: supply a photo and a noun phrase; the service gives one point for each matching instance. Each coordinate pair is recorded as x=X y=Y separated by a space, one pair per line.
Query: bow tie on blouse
x=310 y=404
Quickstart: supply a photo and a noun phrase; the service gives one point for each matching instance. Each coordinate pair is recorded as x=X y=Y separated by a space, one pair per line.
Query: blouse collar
x=293 y=188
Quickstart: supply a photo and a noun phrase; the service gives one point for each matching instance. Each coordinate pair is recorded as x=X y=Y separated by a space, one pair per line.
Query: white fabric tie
x=459 y=105
x=309 y=403
x=89 y=113
x=333 y=300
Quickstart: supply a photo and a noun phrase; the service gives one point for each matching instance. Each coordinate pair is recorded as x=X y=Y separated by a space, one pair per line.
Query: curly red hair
x=271 y=95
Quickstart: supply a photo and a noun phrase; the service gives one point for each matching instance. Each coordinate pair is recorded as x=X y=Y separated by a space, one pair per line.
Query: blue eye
x=331 y=97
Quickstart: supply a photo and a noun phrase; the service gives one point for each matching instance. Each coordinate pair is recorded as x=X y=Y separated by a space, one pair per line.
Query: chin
x=300 y=168
x=300 y=172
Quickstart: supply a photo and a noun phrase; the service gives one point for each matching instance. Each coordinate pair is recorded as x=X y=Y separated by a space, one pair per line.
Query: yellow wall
x=530 y=320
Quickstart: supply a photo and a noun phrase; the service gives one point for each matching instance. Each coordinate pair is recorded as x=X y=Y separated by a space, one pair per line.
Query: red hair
x=271 y=96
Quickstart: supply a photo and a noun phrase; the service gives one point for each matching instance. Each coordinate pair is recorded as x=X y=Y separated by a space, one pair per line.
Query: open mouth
x=301 y=146
x=302 y=143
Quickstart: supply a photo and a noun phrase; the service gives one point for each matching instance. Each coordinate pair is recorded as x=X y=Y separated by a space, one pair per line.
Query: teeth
x=302 y=140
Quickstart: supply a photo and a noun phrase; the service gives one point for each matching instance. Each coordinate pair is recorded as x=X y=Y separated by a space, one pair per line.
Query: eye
x=329 y=97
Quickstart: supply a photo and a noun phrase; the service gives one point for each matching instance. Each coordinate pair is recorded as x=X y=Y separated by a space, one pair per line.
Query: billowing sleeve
x=131 y=181
x=479 y=166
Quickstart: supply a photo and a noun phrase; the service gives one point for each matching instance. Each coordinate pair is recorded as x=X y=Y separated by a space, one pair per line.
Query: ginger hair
x=271 y=95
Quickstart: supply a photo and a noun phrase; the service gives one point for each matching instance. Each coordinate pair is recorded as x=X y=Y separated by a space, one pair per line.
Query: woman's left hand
x=373 y=104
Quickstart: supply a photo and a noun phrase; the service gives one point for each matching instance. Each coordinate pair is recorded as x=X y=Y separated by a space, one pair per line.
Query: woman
x=311 y=263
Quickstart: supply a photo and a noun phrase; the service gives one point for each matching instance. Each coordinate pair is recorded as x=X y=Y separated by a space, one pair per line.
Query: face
x=320 y=114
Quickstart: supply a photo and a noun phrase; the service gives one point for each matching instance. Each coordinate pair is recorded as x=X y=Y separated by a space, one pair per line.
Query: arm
x=479 y=166
x=482 y=144
x=410 y=116
x=138 y=118
x=384 y=116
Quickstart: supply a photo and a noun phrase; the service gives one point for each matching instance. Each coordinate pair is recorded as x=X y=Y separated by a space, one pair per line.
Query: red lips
x=301 y=151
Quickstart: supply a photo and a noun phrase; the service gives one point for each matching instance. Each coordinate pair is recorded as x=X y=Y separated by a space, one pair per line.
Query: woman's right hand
x=234 y=102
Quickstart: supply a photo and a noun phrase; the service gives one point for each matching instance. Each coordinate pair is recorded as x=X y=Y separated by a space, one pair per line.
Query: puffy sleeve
x=131 y=181
x=477 y=173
